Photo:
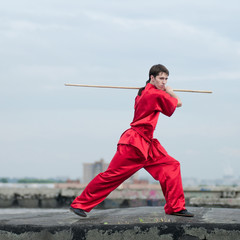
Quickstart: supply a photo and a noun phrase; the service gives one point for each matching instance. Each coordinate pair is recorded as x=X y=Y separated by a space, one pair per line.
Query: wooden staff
x=118 y=87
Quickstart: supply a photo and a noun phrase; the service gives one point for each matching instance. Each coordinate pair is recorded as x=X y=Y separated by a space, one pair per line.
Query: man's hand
x=170 y=91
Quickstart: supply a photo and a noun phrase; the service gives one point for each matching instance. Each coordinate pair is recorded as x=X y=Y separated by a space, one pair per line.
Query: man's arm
x=170 y=91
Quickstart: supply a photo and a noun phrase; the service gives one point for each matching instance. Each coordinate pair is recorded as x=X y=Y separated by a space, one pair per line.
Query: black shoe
x=78 y=211
x=183 y=213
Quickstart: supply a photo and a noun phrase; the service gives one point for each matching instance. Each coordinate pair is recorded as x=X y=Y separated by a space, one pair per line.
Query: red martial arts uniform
x=138 y=149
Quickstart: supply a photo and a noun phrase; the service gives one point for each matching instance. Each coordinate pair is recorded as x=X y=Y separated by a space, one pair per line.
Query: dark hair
x=154 y=71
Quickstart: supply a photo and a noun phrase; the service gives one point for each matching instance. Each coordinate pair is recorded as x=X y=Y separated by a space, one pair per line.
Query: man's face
x=160 y=80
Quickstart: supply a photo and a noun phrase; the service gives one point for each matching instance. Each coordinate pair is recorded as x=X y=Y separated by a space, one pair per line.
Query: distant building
x=77 y=181
x=91 y=170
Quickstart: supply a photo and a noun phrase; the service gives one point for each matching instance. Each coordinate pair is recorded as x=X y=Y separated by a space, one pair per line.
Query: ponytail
x=141 y=89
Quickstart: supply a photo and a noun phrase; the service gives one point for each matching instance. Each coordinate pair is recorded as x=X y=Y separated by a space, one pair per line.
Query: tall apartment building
x=91 y=170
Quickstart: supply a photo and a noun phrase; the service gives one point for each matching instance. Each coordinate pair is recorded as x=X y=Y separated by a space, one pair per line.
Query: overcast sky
x=50 y=130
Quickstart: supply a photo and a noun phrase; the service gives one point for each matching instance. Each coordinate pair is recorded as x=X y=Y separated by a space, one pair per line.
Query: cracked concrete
x=127 y=223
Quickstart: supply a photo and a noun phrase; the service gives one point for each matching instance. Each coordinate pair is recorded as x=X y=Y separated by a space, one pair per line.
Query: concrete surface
x=128 y=223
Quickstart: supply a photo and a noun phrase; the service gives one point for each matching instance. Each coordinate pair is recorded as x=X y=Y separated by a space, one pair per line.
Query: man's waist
x=146 y=134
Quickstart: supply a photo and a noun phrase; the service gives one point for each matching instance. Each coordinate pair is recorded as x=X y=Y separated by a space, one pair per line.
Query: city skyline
x=90 y=170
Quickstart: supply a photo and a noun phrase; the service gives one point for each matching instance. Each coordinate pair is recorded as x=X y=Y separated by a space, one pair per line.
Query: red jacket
x=147 y=109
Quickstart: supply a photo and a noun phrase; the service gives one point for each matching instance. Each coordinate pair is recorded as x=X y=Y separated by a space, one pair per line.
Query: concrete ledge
x=128 y=223
x=126 y=195
x=220 y=202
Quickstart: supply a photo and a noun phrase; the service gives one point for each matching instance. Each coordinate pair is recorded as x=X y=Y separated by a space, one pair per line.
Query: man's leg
x=125 y=163
x=167 y=171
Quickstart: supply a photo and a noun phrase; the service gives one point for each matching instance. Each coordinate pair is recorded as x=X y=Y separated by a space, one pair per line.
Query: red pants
x=125 y=163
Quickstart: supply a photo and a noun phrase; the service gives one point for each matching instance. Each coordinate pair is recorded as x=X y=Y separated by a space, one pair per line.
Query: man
x=138 y=149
